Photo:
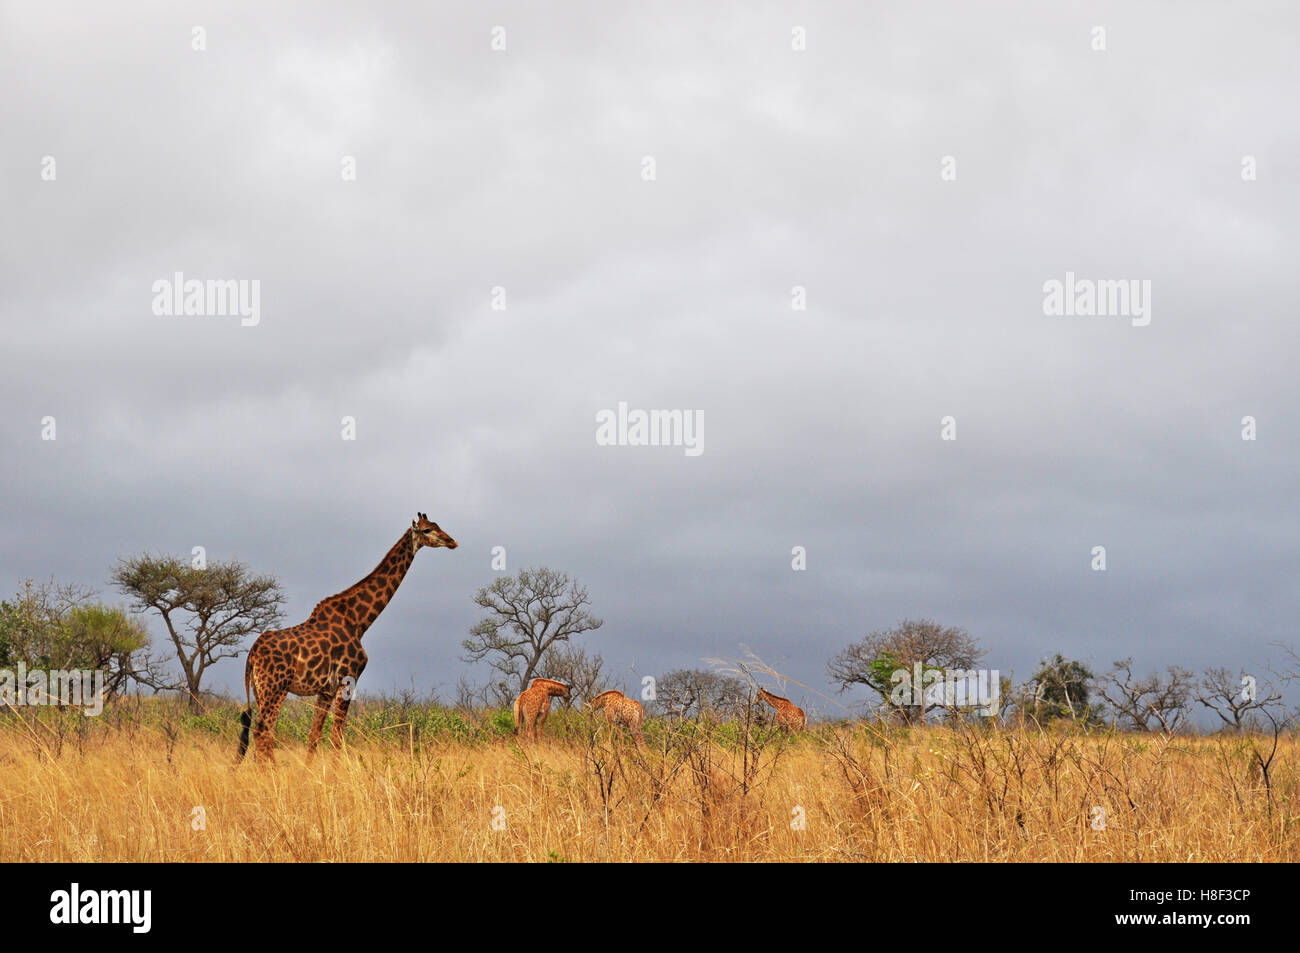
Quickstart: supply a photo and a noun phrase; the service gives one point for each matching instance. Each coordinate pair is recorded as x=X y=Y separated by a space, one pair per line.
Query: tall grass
x=423 y=782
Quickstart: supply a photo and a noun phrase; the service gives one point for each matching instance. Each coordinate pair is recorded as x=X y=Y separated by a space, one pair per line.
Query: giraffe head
x=427 y=533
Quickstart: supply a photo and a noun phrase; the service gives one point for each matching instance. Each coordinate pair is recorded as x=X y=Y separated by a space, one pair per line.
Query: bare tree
x=875 y=660
x=1290 y=670
x=528 y=614
x=207 y=612
x=698 y=692
x=467 y=696
x=1233 y=697
x=1156 y=702
x=583 y=673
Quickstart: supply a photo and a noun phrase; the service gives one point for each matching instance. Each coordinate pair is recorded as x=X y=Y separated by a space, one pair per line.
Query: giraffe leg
x=268 y=713
x=340 y=719
x=323 y=702
x=347 y=692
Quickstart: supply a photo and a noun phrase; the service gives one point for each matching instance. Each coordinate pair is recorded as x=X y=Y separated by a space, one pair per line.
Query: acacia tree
x=51 y=625
x=1061 y=688
x=875 y=660
x=208 y=612
x=529 y=613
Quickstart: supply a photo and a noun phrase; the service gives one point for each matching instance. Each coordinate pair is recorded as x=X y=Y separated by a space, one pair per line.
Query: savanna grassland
x=148 y=781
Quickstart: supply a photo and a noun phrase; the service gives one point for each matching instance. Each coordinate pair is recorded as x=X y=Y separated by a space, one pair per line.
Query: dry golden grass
x=864 y=794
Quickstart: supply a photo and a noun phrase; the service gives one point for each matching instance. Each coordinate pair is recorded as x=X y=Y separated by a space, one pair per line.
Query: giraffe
x=323 y=656
x=619 y=710
x=533 y=705
x=788 y=714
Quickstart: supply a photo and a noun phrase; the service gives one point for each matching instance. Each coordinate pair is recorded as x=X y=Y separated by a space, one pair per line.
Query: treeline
x=918 y=671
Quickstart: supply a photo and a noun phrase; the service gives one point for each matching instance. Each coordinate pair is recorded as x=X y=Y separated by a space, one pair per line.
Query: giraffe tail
x=246 y=716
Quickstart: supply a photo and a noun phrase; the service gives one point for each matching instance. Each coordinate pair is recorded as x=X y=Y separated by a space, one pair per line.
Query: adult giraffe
x=619 y=710
x=788 y=714
x=323 y=656
x=533 y=705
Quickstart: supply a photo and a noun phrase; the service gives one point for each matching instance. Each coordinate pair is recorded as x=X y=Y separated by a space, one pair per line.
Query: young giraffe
x=323 y=656
x=788 y=714
x=619 y=710
x=533 y=705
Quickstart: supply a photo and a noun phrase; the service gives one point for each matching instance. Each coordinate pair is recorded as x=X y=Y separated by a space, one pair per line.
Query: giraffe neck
x=372 y=594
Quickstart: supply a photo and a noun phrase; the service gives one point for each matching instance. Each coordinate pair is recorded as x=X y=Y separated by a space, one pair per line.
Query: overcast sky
x=774 y=167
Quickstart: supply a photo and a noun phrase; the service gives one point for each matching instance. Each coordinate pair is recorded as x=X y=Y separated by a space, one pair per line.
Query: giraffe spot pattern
x=313 y=657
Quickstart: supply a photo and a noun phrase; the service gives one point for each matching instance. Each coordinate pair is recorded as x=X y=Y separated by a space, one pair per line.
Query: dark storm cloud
x=775 y=168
